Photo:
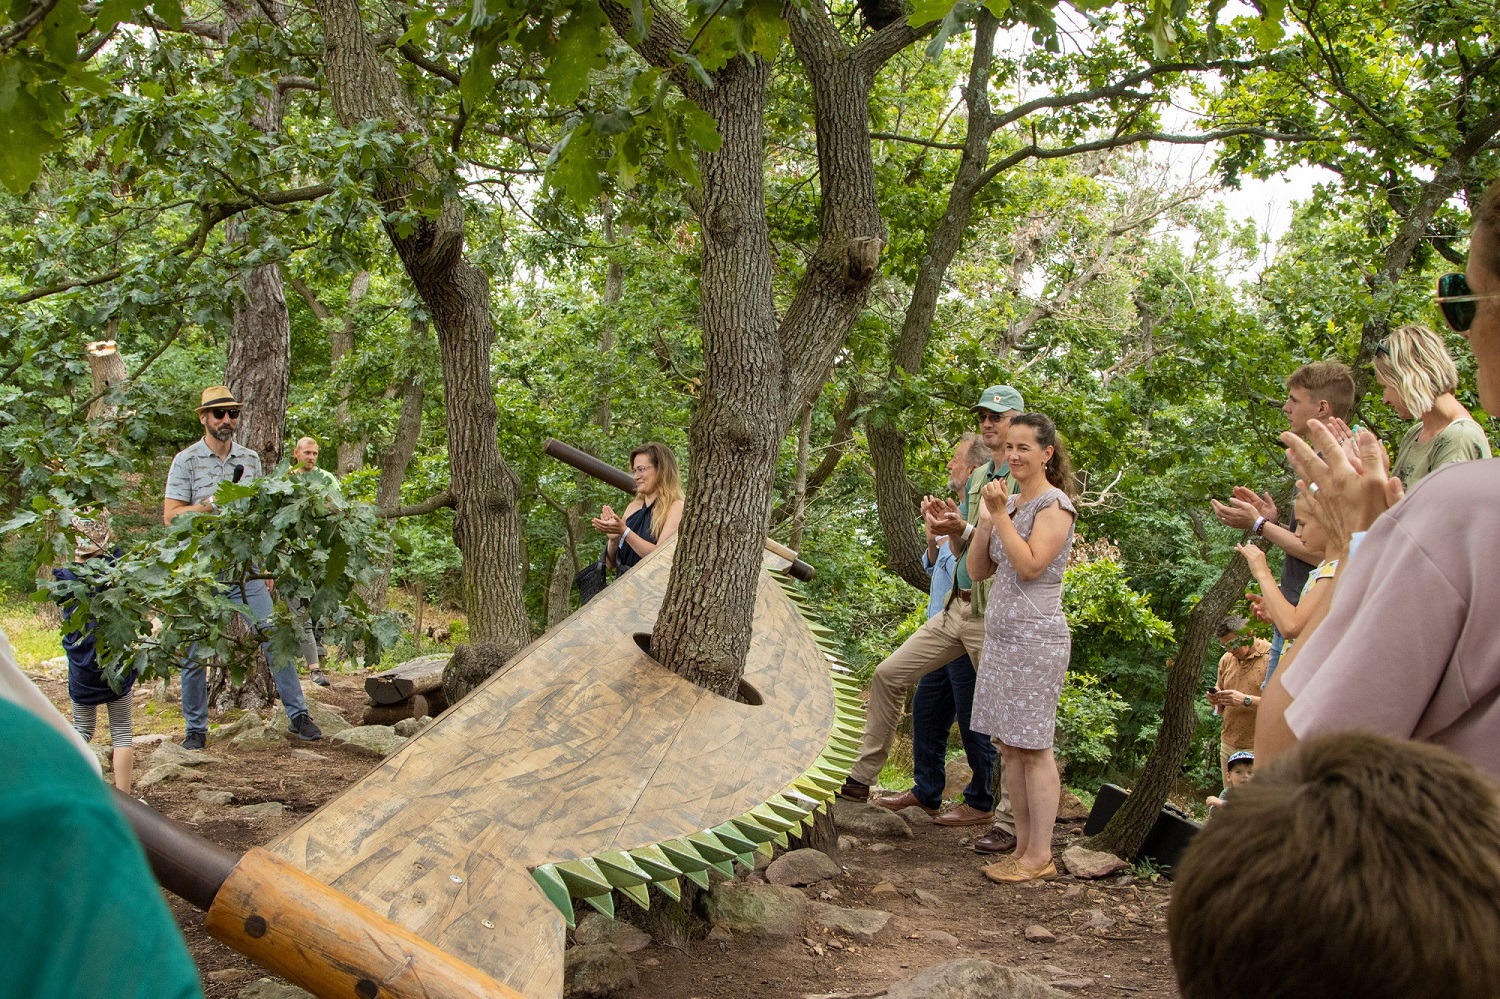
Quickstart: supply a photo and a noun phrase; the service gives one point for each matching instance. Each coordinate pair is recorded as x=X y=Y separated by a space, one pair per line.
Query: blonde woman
x=1419 y=380
x=652 y=517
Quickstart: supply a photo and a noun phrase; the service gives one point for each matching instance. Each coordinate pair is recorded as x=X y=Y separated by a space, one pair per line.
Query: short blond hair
x=1414 y=361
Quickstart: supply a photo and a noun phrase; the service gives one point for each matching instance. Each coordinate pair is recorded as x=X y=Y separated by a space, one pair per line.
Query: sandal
x=1009 y=872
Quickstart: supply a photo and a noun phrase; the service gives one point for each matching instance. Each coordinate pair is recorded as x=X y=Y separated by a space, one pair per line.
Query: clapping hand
x=1351 y=491
x=995 y=495
x=609 y=522
x=1243 y=508
x=943 y=516
x=1256 y=559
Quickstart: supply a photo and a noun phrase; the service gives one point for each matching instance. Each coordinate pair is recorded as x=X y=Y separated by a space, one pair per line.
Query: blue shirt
x=942 y=578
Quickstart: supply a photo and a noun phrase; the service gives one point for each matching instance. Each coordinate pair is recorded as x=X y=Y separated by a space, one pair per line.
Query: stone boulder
x=262 y=810
x=802 y=867
x=597 y=928
x=757 y=910
x=1082 y=863
x=372 y=740
x=956 y=777
x=1070 y=809
x=216 y=797
x=273 y=988
x=408 y=727
x=171 y=752
x=330 y=721
x=165 y=772
x=863 y=925
x=915 y=816
x=971 y=978
x=869 y=820
x=597 y=970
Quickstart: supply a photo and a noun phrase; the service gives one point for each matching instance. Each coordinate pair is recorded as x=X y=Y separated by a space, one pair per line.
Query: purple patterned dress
x=1026 y=640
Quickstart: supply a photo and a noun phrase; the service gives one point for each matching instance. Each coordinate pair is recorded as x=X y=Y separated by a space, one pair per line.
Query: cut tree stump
x=419 y=676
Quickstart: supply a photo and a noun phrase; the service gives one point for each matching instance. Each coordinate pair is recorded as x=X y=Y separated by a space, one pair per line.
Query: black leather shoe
x=997 y=840
x=853 y=790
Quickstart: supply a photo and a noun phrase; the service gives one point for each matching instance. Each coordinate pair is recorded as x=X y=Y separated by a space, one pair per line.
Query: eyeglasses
x=219 y=414
x=1383 y=347
x=1456 y=299
x=989 y=417
x=642 y=469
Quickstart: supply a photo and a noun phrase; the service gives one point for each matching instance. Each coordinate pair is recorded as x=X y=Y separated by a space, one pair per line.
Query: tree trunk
x=485 y=491
x=393 y=465
x=895 y=500
x=703 y=632
x=259 y=368
x=799 y=483
x=614 y=290
x=351 y=448
x=1128 y=827
x=108 y=369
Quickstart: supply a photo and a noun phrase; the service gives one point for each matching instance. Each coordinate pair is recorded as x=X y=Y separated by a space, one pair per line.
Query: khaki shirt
x=1246 y=676
x=983 y=474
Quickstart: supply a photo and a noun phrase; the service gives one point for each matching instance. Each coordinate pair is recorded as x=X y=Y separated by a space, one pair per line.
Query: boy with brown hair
x=1357 y=865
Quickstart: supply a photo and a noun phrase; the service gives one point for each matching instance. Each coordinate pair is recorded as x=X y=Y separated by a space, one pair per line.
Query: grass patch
x=32 y=632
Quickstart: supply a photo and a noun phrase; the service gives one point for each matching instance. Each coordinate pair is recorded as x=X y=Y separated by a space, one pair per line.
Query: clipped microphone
x=239 y=472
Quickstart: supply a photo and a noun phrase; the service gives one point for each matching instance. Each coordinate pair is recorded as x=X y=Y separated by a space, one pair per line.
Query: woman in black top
x=652 y=517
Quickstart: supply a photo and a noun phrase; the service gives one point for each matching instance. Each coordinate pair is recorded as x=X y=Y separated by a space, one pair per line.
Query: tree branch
x=432 y=503
x=661 y=47
x=929 y=143
x=878 y=49
x=23 y=27
x=414 y=55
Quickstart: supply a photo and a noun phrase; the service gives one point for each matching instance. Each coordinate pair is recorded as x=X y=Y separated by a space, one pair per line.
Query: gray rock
x=246 y=722
x=1071 y=983
x=863 y=925
x=262 y=810
x=759 y=910
x=1037 y=933
x=915 y=816
x=881 y=848
x=273 y=988
x=229 y=976
x=928 y=898
x=597 y=928
x=869 y=820
x=105 y=756
x=147 y=741
x=216 y=797
x=408 y=727
x=165 y=772
x=327 y=719
x=847 y=843
x=941 y=937
x=372 y=740
x=308 y=754
x=597 y=970
x=171 y=752
x=1098 y=920
x=1083 y=863
x=802 y=867
x=970 y=978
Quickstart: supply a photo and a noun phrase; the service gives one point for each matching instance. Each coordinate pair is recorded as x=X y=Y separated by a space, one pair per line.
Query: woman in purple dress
x=1023 y=540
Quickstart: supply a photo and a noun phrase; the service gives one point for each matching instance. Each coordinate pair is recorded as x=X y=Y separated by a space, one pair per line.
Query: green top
x=1461 y=440
x=82 y=914
x=961 y=580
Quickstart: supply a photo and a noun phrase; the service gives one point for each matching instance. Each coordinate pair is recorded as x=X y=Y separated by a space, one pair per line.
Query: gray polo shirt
x=197 y=471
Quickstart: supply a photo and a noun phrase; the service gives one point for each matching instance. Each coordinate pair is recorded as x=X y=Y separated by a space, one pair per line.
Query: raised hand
x=946 y=517
x=1256 y=558
x=1351 y=492
x=1264 y=505
x=609 y=522
x=994 y=495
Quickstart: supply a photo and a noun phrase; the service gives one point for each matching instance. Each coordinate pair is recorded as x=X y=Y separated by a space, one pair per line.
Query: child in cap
x=1241 y=767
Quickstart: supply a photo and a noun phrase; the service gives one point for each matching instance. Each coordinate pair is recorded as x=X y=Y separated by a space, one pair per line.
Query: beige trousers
x=941 y=639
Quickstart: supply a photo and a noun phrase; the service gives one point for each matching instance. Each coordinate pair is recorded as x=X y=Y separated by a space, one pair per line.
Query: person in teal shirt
x=83 y=917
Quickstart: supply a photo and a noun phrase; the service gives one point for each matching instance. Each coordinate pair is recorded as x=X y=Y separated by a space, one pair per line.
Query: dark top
x=1294 y=571
x=639 y=523
x=86 y=682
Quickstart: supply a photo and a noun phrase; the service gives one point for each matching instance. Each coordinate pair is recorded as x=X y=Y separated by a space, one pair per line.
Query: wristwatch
x=1247 y=700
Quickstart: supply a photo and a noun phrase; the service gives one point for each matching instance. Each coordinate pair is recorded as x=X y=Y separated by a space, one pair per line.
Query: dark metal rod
x=620 y=479
x=186 y=864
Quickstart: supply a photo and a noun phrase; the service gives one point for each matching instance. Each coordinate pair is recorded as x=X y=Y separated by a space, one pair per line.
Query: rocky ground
x=907 y=913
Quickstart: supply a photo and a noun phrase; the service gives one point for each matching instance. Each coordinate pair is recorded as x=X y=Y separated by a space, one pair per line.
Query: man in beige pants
x=957 y=630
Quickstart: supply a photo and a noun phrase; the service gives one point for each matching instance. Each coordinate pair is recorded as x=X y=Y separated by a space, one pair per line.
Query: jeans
x=942 y=696
x=1278 y=642
x=195 y=679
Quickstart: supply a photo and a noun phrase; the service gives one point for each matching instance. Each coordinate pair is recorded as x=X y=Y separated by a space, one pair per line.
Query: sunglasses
x=219 y=414
x=1456 y=299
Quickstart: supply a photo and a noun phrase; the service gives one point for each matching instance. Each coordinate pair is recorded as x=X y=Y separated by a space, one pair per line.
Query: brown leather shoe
x=896 y=802
x=964 y=814
x=997 y=840
x=853 y=790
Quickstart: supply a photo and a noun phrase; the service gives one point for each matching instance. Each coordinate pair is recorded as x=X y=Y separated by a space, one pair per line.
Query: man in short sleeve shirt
x=196 y=473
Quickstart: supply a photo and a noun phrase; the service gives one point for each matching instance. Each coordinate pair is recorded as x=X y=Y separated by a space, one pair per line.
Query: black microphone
x=239 y=471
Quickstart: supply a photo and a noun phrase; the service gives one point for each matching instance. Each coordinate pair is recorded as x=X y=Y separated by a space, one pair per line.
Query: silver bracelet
x=624 y=534
x=968 y=531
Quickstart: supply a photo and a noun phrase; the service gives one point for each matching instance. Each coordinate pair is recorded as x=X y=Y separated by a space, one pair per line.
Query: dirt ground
x=1110 y=935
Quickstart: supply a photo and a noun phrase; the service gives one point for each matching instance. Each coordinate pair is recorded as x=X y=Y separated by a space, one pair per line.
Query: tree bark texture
x=895 y=500
x=108 y=370
x=485 y=491
x=799 y=483
x=393 y=465
x=759 y=372
x=614 y=290
x=340 y=342
x=1128 y=828
x=259 y=368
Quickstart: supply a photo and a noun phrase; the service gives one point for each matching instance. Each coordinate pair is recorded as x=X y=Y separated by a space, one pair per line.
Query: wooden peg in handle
x=291 y=923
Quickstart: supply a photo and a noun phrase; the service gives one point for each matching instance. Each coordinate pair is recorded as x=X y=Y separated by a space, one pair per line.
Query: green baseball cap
x=1000 y=399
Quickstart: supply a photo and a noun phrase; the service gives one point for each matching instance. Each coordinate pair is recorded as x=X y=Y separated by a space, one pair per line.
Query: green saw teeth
x=738 y=840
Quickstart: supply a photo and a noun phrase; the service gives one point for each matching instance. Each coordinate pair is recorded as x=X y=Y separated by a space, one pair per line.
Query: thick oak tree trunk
x=485 y=491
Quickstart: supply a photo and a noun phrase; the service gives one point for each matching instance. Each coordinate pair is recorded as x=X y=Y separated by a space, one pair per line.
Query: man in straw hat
x=196 y=473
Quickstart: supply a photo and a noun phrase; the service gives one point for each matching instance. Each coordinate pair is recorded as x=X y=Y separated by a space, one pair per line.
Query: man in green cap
x=958 y=629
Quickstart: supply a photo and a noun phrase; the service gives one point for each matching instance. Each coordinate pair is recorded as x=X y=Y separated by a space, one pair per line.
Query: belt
x=963 y=594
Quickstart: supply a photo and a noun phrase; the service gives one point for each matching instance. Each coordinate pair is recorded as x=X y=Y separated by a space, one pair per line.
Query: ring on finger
x=1312 y=490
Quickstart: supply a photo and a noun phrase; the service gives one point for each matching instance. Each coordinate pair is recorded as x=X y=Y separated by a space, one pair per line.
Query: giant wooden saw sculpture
x=582 y=771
